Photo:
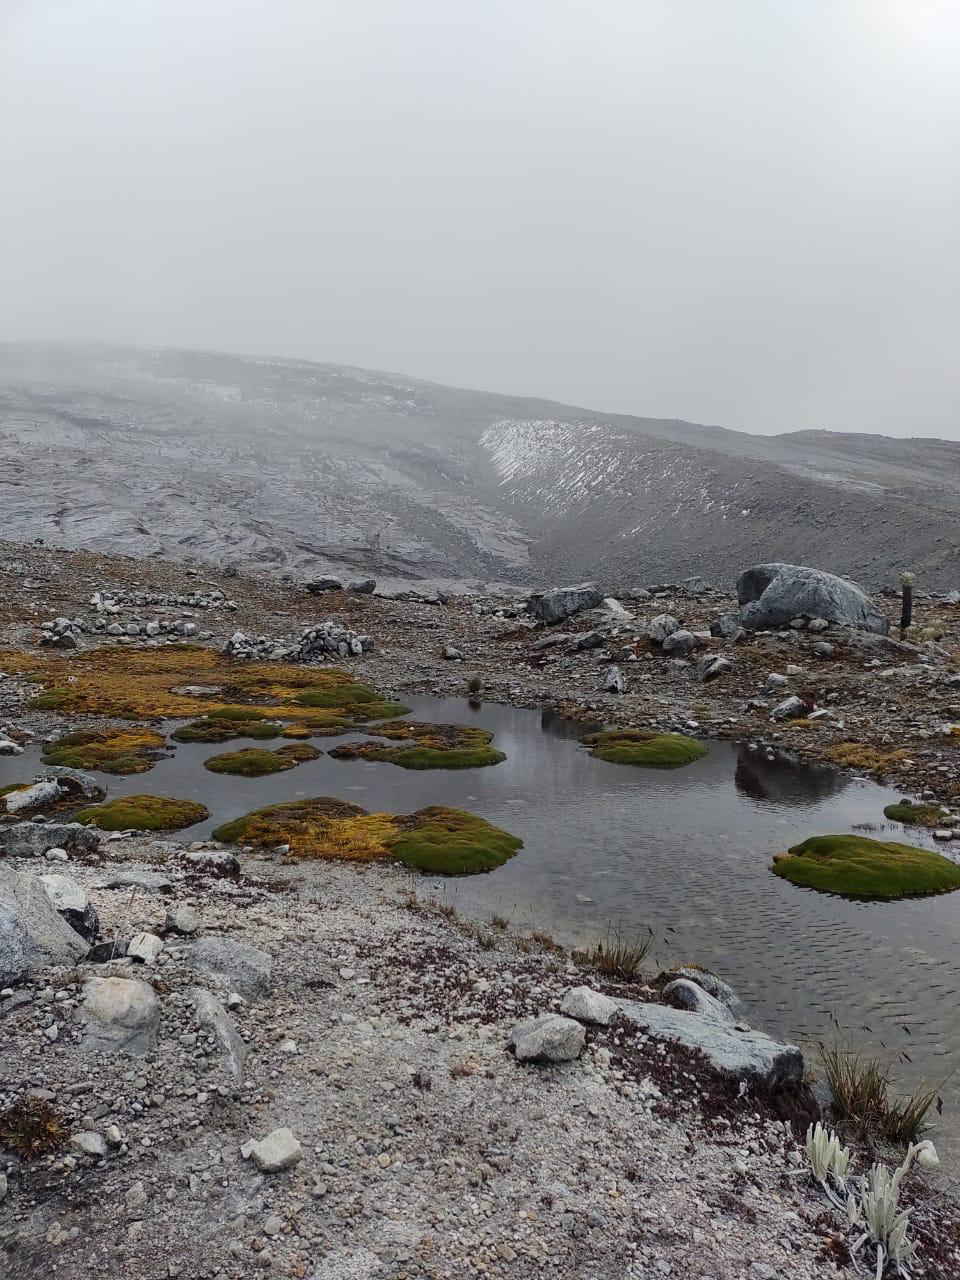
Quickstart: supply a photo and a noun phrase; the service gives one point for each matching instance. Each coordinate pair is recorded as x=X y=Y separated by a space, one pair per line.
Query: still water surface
x=683 y=852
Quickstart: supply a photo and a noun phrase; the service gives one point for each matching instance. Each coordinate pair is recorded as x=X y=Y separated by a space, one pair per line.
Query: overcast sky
x=744 y=212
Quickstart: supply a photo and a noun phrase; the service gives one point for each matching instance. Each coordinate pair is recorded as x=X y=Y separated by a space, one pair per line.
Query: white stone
x=89 y=1143
x=279 y=1150
x=145 y=947
x=547 y=1038
x=587 y=1005
x=120 y=1015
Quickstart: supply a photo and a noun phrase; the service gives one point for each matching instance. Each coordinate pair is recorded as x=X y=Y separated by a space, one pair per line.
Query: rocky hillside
x=295 y=467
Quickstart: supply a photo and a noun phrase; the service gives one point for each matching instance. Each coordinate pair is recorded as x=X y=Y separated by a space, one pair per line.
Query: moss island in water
x=644 y=747
x=436 y=839
x=916 y=815
x=256 y=762
x=427 y=746
x=858 y=867
x=143 y=813
x=130 y=749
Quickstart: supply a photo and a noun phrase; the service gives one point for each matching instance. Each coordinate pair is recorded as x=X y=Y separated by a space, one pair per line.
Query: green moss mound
x=437 y=840
x=119 y=750
x=143 y=813
x=50 y=700
x=255 y=762
x=645 y=748
x=429 y=746
x=858 y=867
x=237 y=713
x=451 y=842
x=218 y=729
x=349 y=693
x=915 y=815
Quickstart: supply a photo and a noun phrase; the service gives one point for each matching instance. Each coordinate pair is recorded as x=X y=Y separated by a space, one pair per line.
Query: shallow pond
x=685 y=852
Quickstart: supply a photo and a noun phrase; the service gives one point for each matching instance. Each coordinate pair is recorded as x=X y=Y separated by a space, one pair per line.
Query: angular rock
x=663 y=625
x=30 y=839
x=727 y=627
x=119 y=1015
x=214 y=1018
x=32 y=797
x=33 y=934
x=587 y=1005
x=590 y=640
x=710 y=982
x=71 y=901
x=690 y=995
x=326 y=583
x=750 y=1056
x=89 y=787
x=711 y=667
x=772 y=595
x=150 y=881
x=279 y=1150
x=547 y=1038
x=792 y=708
x=614 y=681
x=181 y=919
x=89 y=1143
x=236 y=966
x=216 y=862
x=680 y=643
x=145 y=947
x=563 y=602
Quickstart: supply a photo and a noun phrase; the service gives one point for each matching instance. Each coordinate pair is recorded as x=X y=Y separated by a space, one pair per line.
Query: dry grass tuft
x=860 y=1087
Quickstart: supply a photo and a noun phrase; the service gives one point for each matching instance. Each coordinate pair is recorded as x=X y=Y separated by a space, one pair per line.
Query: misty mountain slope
x=292 y=466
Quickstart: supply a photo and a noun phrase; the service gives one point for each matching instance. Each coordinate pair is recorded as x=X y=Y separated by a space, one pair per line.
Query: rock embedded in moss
x=437 y=840
x=119 y=750
x=855 y=866
x=256 y=762
x=143 y=813
x=916 y=815
x=428 y=746
x=644 y=747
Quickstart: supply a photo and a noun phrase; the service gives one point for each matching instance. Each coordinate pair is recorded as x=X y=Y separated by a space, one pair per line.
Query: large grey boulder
x=772 y=595
x=710 y=982
x=28 y=839
x=236 y=966
x=33 y=934
x=750 y=1056
x=119 y=1015
x=563 y=602
x=547 y=1038
x=71 y=901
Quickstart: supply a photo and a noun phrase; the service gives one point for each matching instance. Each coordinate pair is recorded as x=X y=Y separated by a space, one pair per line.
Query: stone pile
x=323 y=641
x=113 y=601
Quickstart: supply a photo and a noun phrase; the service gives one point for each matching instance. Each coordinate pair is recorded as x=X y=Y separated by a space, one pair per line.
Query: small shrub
x=499 y=922
x=474 y=686
x=31 y=1127
x=860 y=1087
x=616 y=957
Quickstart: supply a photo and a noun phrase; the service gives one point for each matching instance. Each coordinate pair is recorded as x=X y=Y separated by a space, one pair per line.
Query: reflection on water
x=785 y=779
x=685 y=852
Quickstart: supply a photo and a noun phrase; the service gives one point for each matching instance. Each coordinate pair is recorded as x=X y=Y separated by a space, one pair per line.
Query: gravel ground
x=428 y=1151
